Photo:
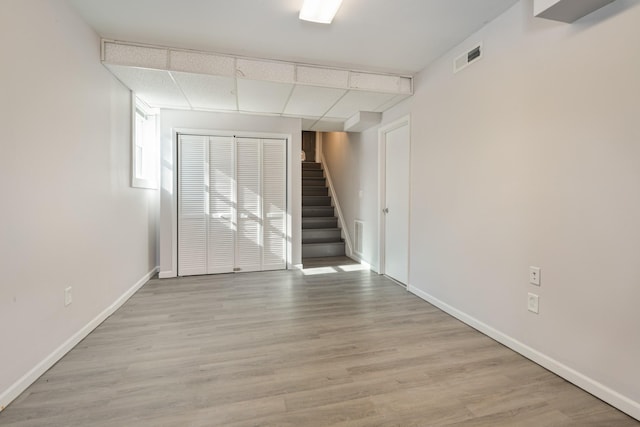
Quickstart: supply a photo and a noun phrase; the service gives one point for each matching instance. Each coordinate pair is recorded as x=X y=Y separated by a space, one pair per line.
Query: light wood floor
x=325 y=348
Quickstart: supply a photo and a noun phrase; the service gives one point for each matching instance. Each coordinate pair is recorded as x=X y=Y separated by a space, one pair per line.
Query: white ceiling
x=400 y=37
x=193 y=80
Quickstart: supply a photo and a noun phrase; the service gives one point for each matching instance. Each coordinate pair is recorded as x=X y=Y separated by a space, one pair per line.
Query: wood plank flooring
x=328 y=346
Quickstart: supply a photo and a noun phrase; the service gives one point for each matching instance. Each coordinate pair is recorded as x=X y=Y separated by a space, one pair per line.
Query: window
x=144 y=146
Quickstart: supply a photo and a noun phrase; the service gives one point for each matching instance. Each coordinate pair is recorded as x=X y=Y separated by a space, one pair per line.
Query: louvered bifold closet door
x=274 y=202
x=249 y=185
x=192 y=205
x=222 y=241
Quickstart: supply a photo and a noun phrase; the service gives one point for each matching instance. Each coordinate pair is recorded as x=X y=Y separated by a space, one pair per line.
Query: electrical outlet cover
x=534 y=275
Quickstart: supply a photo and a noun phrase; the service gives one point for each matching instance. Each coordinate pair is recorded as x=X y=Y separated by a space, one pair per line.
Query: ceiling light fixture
x=320 y=11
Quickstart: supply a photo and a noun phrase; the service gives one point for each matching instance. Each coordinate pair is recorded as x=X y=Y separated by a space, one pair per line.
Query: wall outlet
x=534 y=275
x=532 y=303
x=68 y=297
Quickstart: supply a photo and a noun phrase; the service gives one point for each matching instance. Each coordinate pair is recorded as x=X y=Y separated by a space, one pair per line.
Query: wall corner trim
x=623 y=403
x=7 y=396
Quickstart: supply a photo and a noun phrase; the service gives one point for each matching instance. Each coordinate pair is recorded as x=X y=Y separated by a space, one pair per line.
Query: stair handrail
x=336 y=203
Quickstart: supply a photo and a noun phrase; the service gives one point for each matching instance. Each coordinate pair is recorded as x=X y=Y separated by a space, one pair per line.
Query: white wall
x=68 y=215
x=203 y=121
x=528 y=157
x=531 y=157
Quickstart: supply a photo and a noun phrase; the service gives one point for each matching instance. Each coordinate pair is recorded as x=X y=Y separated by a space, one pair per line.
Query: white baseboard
x=355 y=257
x=590 y=385
x=362 y=262
x=30 y=377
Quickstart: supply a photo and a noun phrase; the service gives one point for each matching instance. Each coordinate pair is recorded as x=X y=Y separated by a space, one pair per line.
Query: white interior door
x=396 y=209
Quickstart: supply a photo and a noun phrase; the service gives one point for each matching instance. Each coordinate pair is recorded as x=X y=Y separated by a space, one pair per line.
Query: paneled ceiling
x=398 y=37
x=322 y=97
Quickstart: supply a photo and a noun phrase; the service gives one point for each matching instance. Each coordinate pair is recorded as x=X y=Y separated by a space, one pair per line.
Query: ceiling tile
x=355 y=101
x=155 y=87
x=380 y=82
x=208 y=92
x=265 y=70
x=197 y=62
x=136 y=56
x=262 y=97
x=312 y=100
x=320 y=76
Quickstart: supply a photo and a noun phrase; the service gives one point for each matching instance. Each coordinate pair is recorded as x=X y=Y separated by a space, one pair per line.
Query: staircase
x=321 y=236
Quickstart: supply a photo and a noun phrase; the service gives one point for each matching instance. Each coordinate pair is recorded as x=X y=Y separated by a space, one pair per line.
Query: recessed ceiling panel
x=262 y=97
x=312 y=100
x=208 y=92
x=155 y=87
x=355 y=101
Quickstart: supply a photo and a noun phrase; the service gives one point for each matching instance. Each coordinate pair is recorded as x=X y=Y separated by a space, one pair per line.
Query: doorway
x=309 y=145
x=394 y=173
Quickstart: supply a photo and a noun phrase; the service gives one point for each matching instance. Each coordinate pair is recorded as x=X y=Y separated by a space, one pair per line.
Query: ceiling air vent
x=467 y=58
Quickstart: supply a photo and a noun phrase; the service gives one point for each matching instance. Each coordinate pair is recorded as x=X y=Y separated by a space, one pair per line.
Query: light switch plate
x=532 y=303
x=68 y=297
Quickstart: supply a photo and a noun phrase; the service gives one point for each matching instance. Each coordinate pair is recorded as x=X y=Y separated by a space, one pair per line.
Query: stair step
x=312 y=173
x=316 y=211
x=314 y=190
x=317 y=250
x=319 y=222
x=321 y=235
x=316 y=201
x=307 y=182
x=311 y=165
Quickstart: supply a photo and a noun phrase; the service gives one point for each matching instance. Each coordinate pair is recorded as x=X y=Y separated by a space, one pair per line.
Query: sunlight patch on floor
x=318 y=270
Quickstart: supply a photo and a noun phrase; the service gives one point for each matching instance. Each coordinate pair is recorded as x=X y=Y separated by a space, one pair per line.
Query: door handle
x=385 y=210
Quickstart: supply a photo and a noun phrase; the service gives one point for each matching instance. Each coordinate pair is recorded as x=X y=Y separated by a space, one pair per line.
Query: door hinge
x=237 y=269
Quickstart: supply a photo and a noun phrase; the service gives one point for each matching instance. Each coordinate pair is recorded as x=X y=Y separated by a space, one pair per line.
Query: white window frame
x=144 y=145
